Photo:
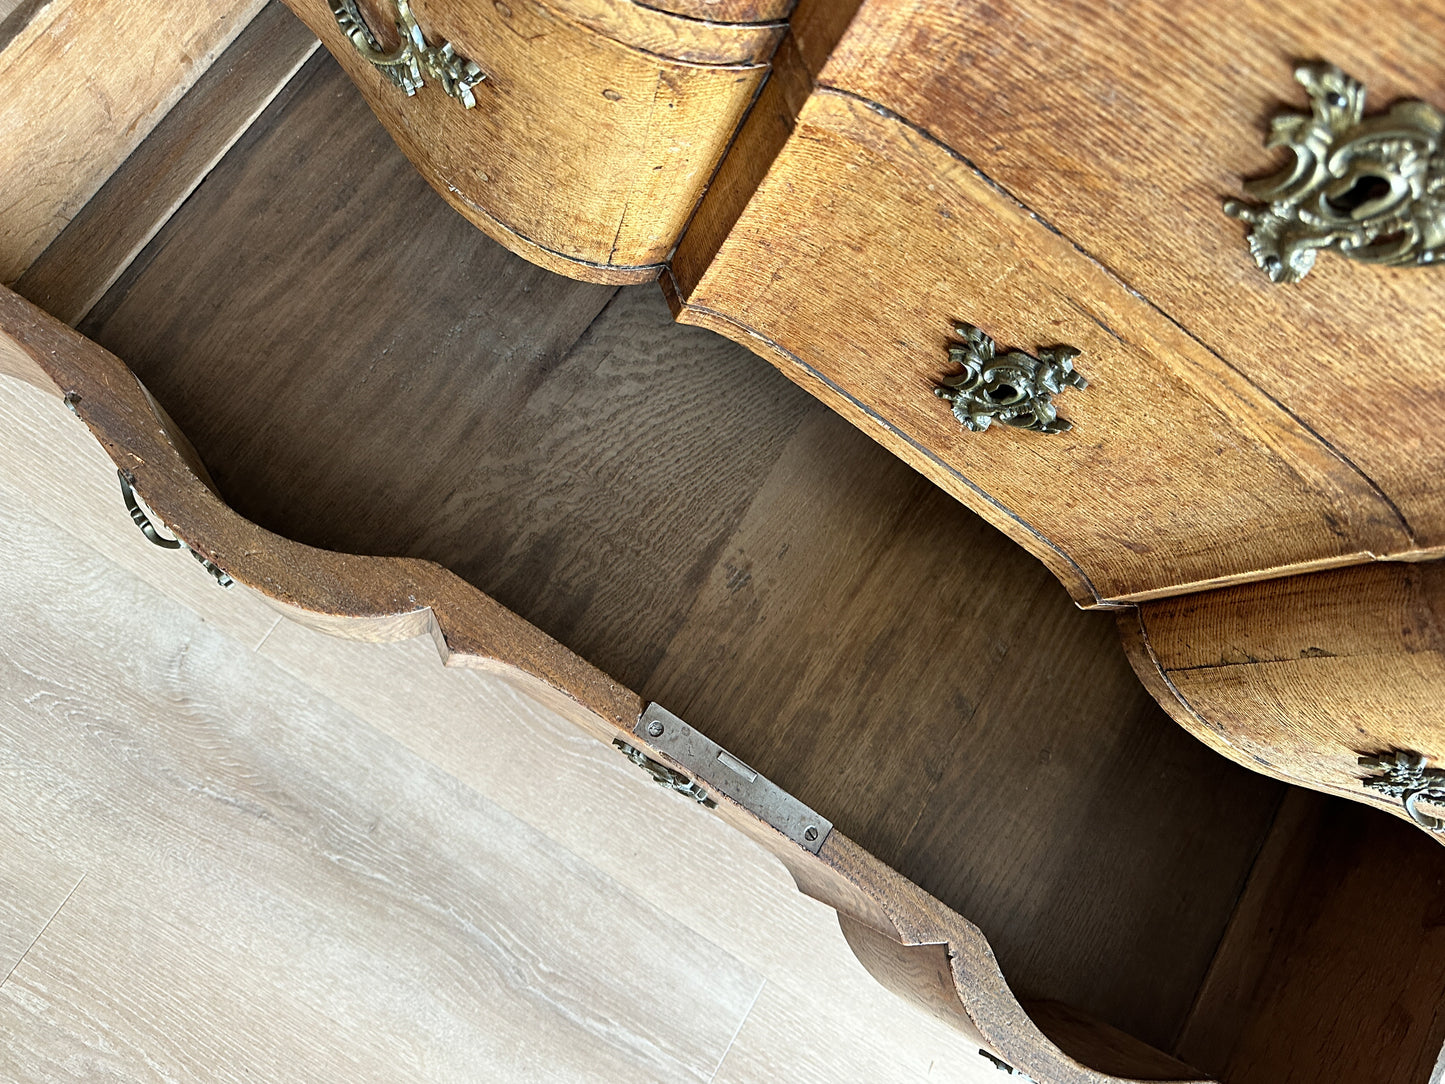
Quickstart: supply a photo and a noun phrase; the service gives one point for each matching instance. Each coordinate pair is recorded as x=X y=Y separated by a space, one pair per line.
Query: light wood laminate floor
x=235 y=849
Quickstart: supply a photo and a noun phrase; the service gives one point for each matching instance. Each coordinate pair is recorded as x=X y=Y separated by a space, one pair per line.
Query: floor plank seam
x=262 y=642
x=36 y=939
x=738 y=1031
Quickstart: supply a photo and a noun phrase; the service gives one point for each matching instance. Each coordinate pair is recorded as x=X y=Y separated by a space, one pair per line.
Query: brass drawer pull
x=1409 y=777
x=1014 y=388
x=414 y=58
x=1370 y=189
x=140 y=519
x=147 y=528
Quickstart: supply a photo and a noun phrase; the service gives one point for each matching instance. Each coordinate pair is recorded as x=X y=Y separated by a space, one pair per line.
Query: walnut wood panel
x=85 y=81
x=584 y=154
x=1299 y=677
x=399 y=597
x=1125 y=124
x=101 y=240
x=864 y=244
x=671 y=508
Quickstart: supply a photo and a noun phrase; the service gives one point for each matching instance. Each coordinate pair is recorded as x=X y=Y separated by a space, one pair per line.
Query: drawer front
x=868 y=242
x=1126 y=125
x=587 y=146
x=1334 y=680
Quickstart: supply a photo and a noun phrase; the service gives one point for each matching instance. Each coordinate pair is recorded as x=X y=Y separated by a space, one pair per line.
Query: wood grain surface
x=1355 y=971
x=728 y=11
x=1124 y=126
x=395 y=598
x=806 y=538
x=1301 y=677
x=864 y=245
x=79 y=265
x=583 y=153
x=596 y=805
x=677 y=513
x=85 y=81
x=656 y=30
x=274 y=889
x=34 y=885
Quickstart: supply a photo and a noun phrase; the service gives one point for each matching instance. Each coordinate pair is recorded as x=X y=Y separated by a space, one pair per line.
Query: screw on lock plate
x=716 y=771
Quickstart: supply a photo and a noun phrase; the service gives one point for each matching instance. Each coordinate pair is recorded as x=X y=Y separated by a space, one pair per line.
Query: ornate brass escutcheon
x=1409 y=777
x=414 y=58
x=1014 y=388
x=1370 y=189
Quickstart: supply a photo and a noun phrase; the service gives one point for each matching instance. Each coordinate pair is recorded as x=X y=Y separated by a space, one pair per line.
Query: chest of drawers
x=847 y=191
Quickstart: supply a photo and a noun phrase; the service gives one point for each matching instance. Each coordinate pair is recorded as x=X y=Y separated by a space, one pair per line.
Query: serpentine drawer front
x=588 y=129
x=1147 y=285
x=1057 y=176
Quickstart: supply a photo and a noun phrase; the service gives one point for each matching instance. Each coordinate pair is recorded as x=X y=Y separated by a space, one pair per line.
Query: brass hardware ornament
x=1014 y=388
x=1409 y=777
x=147 y=528
x=664 y=776
x=1370 y=189
x=414 y=58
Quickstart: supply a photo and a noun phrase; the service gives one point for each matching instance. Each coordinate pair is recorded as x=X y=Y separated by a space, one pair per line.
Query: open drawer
x=634 y=511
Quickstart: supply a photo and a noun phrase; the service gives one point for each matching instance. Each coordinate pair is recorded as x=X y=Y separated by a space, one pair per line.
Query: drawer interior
x=362 y=370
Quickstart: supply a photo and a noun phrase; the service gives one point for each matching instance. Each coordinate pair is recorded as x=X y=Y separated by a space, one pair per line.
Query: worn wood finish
x=728 y=11
x=1301 y=676
x=584 y=153
x=1124 y=125
x=810 y=276
x=85 y=81
x=673 y=510
x=810 y=520
x=391 y=598
x=78 y=267
x=654 y=30
x=813 y=30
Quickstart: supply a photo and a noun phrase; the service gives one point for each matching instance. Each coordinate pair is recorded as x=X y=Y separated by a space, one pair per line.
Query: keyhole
x=1366 y=188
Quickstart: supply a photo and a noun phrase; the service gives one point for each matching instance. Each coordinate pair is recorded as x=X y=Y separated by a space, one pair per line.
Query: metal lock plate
x=719 y=771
